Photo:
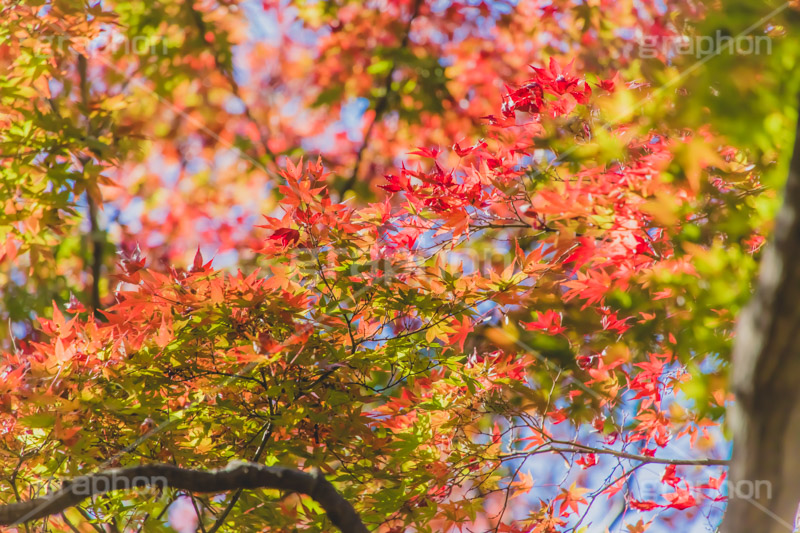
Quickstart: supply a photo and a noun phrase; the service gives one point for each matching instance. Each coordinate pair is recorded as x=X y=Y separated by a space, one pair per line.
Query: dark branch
x=97 y=237
x=96 y=234
x=237 y=475
x=236 y=495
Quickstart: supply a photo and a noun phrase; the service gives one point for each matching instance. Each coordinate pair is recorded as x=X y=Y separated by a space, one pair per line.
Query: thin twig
x=380 y=106
x=235 y=498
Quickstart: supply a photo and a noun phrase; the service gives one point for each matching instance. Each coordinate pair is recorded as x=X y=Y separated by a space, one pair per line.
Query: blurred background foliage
x=161 y=126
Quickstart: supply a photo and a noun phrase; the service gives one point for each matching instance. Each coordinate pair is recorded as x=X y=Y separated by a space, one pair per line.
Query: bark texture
x=235 y=476
x=765 y=419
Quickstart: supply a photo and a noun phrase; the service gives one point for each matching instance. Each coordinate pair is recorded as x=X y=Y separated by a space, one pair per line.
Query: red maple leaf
x=669 y=476
x=643 y=505
x=680 y=499
x=570 y=499
x=462 y=330
x=286 y=236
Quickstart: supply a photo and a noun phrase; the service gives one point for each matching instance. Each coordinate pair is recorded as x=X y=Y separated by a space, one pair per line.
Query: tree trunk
x=764 y=478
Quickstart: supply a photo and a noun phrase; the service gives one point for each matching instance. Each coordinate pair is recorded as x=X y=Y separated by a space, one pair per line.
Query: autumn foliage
x=481 y=281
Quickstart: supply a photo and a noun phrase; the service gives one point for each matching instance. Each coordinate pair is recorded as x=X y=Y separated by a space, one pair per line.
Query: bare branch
x=571 y=447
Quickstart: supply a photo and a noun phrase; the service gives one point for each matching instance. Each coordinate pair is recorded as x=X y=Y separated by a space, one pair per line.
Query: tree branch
x=97 y=256
x=237 y=475
x=571 y=447
x=95 y=233
x=202 y=27
x=381 y=105
x=235 y=498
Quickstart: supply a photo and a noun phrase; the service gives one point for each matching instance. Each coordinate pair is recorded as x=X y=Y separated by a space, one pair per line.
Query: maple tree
x=393 y=266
